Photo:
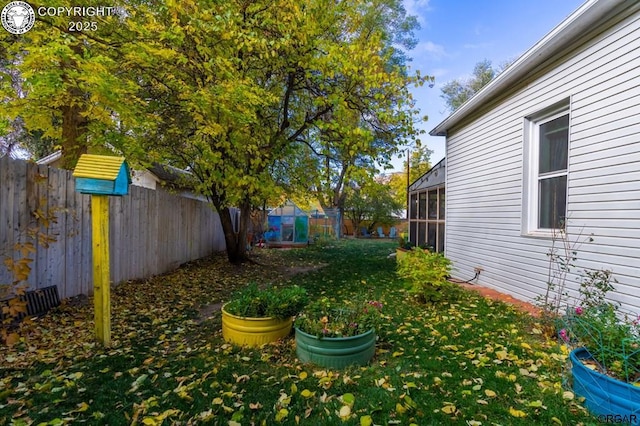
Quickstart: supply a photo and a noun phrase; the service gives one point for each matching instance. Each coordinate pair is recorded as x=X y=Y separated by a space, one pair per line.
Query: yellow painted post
x=101 y=279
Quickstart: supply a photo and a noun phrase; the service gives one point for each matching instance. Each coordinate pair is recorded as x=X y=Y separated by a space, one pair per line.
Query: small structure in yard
x=101 y=176
x=288 y=226
x=427 y=208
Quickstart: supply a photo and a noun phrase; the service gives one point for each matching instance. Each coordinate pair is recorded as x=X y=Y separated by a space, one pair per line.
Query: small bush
x=427 y=273
x=326 y=318
x=252 y=302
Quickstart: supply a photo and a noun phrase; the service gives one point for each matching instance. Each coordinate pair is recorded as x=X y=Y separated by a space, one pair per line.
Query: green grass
x=466 y=360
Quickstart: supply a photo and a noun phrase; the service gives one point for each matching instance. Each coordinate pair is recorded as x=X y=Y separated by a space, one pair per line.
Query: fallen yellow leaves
x=449 y=409
x=306 y=393
x=488 y=375
x=366 y=420
x=345 y=411
x=157 y=420
x=517 y=413
x=282 y=414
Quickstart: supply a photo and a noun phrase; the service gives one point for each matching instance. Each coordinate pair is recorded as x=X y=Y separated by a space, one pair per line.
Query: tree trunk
x=74 y=121
x=356 y=226
x=236 y=242
x=74 y=129
x=340 y=218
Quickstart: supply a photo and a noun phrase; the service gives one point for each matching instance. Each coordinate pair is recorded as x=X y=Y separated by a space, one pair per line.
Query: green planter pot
x=246 y=331
x=336 y=352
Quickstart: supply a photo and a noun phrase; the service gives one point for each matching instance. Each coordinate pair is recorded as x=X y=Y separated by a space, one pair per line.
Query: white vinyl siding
x=485 y=161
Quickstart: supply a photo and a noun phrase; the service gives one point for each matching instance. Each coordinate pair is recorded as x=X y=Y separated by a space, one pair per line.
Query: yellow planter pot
x=253 y=331
x=400 y=252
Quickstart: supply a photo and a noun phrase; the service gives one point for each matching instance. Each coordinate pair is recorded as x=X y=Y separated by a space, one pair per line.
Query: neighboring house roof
x=577 y=25
x=50 y=159
x=171 y=176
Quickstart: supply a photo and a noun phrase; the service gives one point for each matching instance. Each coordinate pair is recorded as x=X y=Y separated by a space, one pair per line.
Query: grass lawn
x=467 y=360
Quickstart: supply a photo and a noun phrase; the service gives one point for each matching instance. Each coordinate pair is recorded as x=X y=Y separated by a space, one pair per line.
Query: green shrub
x=253 y=302
x=426 y=271
x=328 y=318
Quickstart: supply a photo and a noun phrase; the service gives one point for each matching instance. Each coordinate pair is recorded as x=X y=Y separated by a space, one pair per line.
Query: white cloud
x=485 y=45
x=439 y=72
x=480 y=29
x=417 y=8
x=436 y=51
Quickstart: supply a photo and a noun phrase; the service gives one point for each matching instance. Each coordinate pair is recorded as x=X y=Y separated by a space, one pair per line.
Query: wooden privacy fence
x=151 y=231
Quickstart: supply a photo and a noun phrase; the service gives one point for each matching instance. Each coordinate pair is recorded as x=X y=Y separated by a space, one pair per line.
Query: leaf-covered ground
x=468 y=360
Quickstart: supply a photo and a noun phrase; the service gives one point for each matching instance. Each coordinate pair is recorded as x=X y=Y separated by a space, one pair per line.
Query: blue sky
x=457 y=34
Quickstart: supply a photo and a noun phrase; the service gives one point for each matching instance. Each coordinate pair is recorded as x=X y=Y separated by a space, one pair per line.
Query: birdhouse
x=102 y=175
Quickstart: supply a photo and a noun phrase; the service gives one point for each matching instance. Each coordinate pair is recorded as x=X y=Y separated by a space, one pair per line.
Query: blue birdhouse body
x=102 y=175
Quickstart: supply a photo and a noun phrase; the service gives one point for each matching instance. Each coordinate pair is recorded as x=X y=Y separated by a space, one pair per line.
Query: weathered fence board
x=150 y=232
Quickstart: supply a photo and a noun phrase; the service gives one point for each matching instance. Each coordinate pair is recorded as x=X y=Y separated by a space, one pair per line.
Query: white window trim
x=531 y=176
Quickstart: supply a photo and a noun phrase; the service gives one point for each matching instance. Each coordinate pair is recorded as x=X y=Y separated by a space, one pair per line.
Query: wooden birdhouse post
x=101 y=176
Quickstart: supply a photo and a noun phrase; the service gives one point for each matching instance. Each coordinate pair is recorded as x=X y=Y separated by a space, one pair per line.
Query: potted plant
x=335 y=335
x=257 y=316
x=404 y=245
x=427 y=273
x=605 y=361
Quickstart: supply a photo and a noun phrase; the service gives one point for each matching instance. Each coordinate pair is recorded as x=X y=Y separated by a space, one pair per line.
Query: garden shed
x=288 y=226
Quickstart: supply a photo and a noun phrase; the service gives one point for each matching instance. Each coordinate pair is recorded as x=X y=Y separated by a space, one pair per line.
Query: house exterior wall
x=600 y=77
x=144 y=178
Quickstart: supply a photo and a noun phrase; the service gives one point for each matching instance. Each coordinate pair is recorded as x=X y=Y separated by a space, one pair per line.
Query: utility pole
x=408 y=183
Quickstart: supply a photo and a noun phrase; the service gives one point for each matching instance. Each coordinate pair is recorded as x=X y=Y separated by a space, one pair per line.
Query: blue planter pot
x=335 y=352
x=604 y=396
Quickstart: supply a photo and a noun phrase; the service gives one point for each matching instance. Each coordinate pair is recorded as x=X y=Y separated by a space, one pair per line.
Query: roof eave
x=576 y=24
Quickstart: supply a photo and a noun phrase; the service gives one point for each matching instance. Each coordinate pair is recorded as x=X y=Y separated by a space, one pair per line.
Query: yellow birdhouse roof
x=98 y=167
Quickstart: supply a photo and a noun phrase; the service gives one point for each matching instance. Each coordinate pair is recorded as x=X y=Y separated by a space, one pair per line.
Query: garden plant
x=325 y=318
x=611 y=337
x=273 y=302
x=591 y=319
x=427 y=273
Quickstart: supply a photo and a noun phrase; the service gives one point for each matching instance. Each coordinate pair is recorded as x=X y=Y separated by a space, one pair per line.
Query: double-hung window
x=548 y=163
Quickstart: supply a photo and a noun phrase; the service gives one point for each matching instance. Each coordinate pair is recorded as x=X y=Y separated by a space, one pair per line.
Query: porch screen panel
x=422 y=233
x=431 y=236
